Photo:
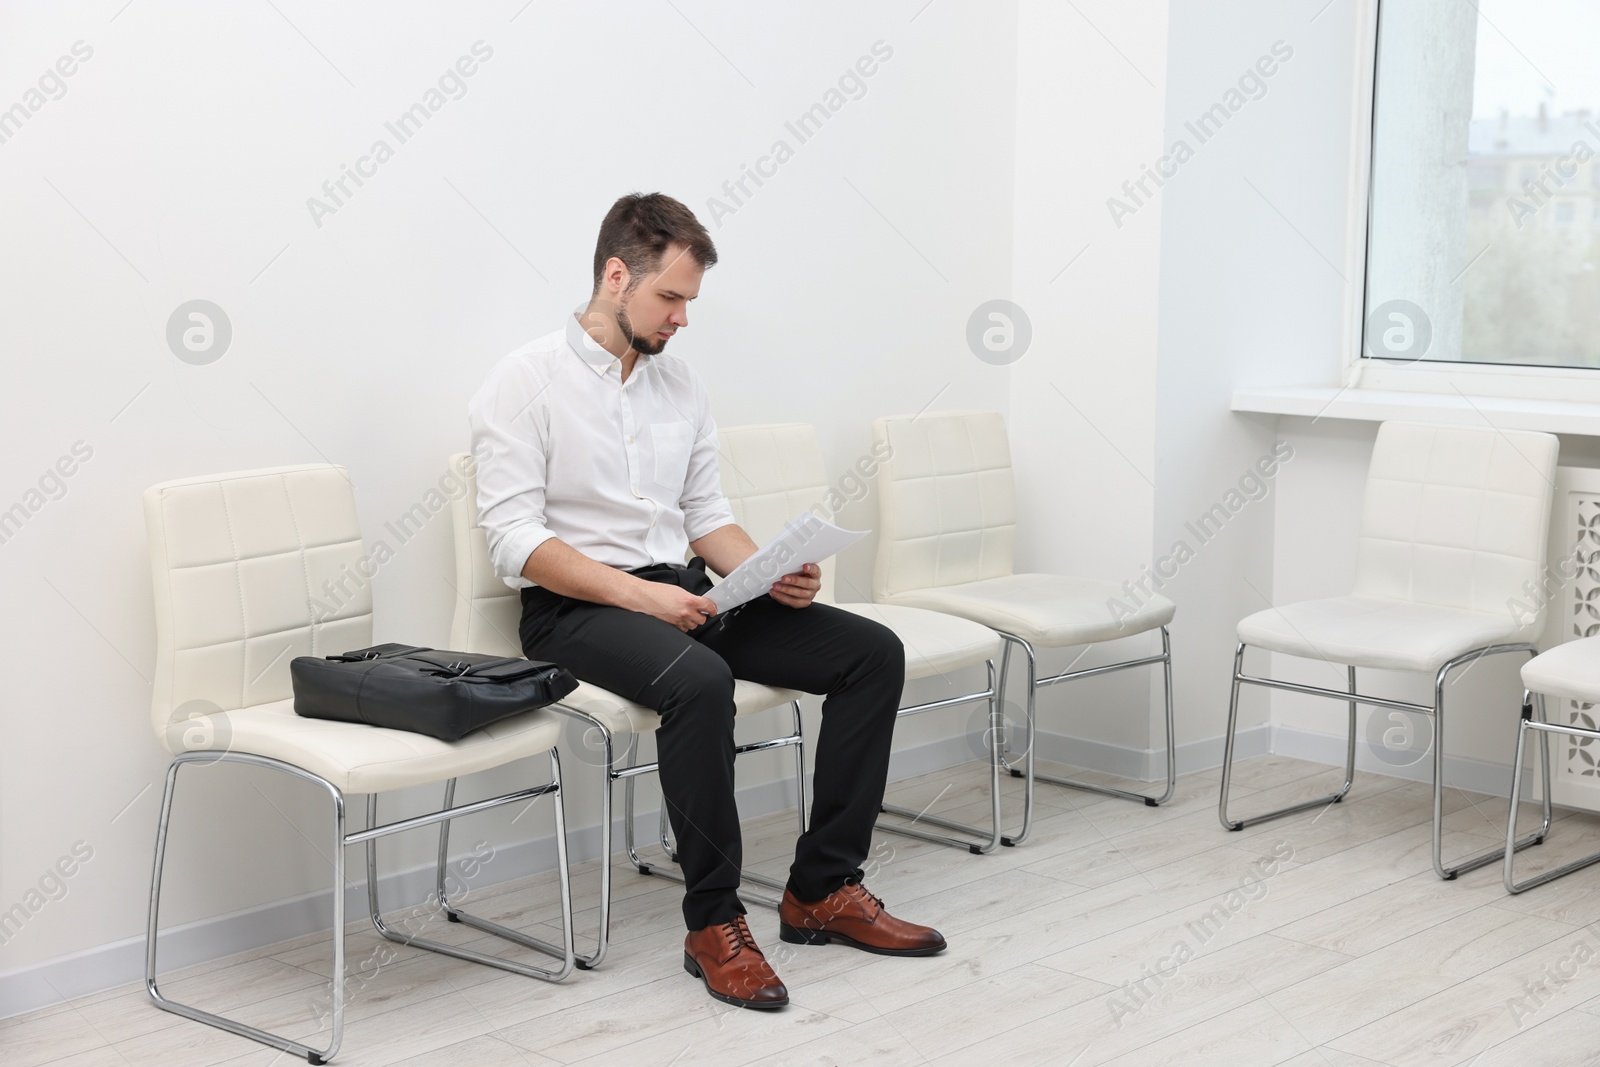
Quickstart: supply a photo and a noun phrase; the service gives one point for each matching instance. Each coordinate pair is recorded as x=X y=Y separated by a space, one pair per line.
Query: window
x=1485 y=123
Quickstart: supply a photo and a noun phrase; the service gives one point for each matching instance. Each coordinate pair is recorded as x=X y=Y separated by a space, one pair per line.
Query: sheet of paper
x=807 y=539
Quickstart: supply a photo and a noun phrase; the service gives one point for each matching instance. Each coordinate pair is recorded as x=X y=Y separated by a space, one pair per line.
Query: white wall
x=1179 y=294
x=977 y=165
x=178 y=165
x=1083 y=407
x=1227 y=274
x=1251 y=293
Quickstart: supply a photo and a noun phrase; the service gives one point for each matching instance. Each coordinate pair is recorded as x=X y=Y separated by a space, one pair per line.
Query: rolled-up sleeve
x=704 y=506
x=510 y=427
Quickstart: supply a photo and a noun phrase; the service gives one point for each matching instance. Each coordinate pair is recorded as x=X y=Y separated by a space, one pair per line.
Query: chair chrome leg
x=989 y=839
x=1543 y=727
x=1545 y=765
x=1172 y=733
x=608 y=766
x=644 y=866
x=1035 y=683
x=639 y=862
x=1029 y=775
x=1228 y=751
x=752 y=877
x=343 y=839
x=563 y=952
x=316 y=1056
x=664 y=831
x=1350 y=741
x=669 y=846
x=607 y=783
x=996 y=724
x=627 y=812
x=802 y=802
x=1228 y=737
x=444 y=850
x=1000 y=691
x=1165 y=659
x=603 y=926
x=1489 y=856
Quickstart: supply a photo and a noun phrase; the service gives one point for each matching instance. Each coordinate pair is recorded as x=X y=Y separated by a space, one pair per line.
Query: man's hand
x=673 y=604
x=797 y=590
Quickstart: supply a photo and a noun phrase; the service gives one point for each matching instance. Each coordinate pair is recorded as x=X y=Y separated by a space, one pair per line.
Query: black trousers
x=688 y=679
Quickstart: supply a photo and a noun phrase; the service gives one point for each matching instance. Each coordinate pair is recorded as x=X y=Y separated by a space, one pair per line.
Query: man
x=597 y=476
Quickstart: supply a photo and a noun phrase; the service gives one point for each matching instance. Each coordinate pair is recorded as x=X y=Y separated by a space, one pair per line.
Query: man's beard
x=638 y=344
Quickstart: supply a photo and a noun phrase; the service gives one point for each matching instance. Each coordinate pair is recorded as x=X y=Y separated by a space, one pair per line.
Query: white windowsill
x=1373 y=405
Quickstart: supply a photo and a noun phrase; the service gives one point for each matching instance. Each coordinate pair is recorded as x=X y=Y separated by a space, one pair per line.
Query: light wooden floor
x=1345 y=950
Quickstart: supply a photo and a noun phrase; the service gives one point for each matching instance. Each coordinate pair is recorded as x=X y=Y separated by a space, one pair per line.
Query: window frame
x=1430 y=376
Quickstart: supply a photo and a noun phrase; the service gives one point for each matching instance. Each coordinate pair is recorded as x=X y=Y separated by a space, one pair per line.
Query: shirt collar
x=587 y=349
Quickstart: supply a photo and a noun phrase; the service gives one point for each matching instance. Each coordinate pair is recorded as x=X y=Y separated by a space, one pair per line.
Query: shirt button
x=630 y=438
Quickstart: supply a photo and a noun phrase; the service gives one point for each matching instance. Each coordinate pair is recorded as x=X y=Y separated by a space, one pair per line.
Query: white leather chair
x=1567 y=672
x=946 y=538
x=254 y=568
x=488 y=618
x=772 y=474
x=1453 y=523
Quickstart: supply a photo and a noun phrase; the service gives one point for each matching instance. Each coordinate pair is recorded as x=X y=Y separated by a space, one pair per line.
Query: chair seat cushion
x=1047 y=610
x=1364 y=631
x=370 y=759
x=1571 y=670
x=622 y=716
x=935 y=642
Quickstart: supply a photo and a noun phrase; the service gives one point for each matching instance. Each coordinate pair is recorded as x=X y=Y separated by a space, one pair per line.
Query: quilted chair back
x=488 y=614
x=251 y=569
x=772 y=474
x=1456 y=516
x=946 y=502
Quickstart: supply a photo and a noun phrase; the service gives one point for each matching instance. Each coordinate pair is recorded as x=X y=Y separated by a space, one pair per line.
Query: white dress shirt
x=623 y=471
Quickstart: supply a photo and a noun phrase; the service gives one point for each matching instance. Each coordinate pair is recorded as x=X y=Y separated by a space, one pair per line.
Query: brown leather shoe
x=727 y=959
x=852 y=916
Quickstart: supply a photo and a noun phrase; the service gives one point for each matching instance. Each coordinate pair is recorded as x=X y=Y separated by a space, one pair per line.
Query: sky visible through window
x=1536 y=50
x=1488 y=251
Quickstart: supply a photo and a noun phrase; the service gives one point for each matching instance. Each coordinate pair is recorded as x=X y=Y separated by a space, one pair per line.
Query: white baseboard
x=1474 y=775
x=1149 y=764
x=122 y=962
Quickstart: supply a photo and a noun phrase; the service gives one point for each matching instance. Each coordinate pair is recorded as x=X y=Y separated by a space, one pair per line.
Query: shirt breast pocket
x=672 y=443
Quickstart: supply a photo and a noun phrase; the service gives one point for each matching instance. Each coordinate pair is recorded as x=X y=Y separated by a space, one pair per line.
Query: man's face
x=658 y=306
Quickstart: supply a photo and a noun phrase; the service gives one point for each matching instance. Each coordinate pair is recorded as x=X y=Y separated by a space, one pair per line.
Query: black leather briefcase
x=424 y=690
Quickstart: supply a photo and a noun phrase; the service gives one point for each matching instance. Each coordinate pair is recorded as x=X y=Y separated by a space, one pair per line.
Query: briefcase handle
x=385 y=651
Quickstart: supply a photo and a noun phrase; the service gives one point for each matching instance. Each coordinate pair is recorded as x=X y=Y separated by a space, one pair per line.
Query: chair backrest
x=251 y=569
x=1456 y=516
x=488 y=614
x=770 y=475
x=946 y=503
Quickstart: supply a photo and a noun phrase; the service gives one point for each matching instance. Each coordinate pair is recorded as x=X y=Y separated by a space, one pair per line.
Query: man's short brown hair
x=638 y=229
